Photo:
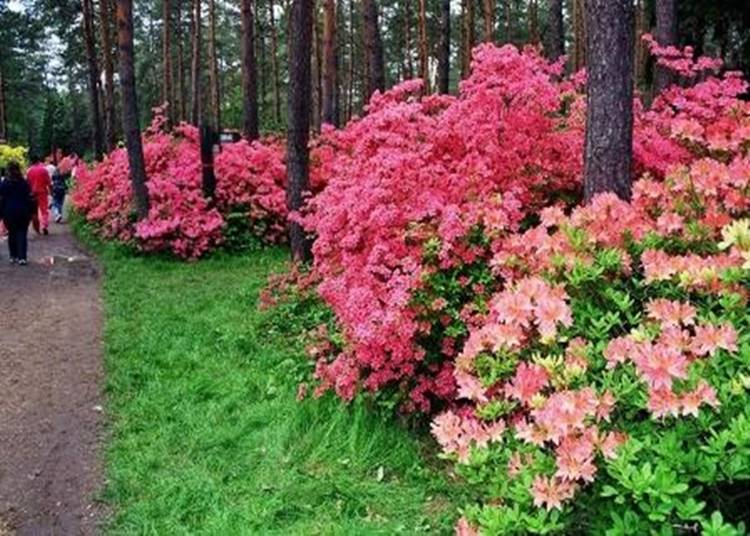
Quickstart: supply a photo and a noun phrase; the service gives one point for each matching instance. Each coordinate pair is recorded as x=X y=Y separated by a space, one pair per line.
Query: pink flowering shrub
x=605 y=383
x=250 y=187
x=425 y=193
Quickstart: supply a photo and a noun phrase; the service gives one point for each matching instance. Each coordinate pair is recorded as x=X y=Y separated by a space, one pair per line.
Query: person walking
x=41 y=186
x=17 y=204
x=59 y=189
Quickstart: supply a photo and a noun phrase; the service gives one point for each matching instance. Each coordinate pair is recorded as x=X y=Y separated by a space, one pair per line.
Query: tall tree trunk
x=555 y=30
x=180 y=90
x=261 y=61
x=3 y=115
x=93 y=72
x=195 y=72
x=408 y=63
x=249 y=71
x=467 y=37
x=534 y=22
x=316 y=69
x=275 y=64
x=424 y=55
x=641 y=49
x=666 y=34
x=444 y=65
x=166 y=94
x=373 y=49
x=508 y=21
x=330 y=64
x=105 y=28
x=298 y=114
x=350 y=70
x=213 y=71
x=609 y=111
x=488 y=10
x=579 y=37
x=130 y=107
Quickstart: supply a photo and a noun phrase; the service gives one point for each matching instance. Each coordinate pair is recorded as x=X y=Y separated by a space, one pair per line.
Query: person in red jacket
x=41 y=187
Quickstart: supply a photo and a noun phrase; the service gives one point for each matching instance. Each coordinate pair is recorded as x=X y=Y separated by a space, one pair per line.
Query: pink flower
x=528 y=381
x=671 y=313
x=709 y=338
x=551 y=492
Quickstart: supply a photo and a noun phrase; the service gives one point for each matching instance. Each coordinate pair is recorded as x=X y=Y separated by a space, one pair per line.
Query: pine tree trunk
x=330 y=64
x=424 y=56
x=166 y=95
x=408 y=63
x=609 y=111
x=556 y=30
x=249 y=69
x=666 y=34
x=130 y=107
x=213 y=71
x=350 y=70
x=444 y=66
x=373 y=49
x=488 y=9
x=298 y=114
x=467 y=38
x=105 y=28
x=579 y=38
x=508 y=22
x=3 y=113
x=180 y=90
x=534 y=22
x=641 y=50
x=261 y=60
x=275 y=64
x=317 y=72
x=93 y=72
x=195 y=72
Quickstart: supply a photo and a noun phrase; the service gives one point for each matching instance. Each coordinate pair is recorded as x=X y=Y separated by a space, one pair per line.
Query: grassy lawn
x=206 y=436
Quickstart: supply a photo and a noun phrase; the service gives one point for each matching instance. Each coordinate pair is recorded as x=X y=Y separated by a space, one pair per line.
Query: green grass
x=205 y=434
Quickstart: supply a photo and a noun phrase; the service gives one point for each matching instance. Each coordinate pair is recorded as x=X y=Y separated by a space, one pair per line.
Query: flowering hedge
x=9 y=153
x=250 y=181
x=422 y=192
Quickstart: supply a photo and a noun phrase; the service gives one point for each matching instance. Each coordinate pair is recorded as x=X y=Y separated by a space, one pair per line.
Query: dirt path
x=50 y=389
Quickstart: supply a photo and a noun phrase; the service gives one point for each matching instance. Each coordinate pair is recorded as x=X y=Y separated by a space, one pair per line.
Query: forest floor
x=50 y=389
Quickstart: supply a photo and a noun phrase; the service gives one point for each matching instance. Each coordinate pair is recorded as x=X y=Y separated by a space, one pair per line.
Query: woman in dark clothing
x=16 y=209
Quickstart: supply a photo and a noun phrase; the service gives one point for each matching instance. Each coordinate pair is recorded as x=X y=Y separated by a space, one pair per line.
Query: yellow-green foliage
x=13 y=154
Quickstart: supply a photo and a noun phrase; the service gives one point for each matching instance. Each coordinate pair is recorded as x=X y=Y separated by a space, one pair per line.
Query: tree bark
x=208 y=177
x=444 y=66
x=641 y=50
x=534 y=22
x=555 y=30
x=488 y=9
x=213 y=71
x=467 y=37
x=298 y=114
x=275 y=64
x=317 y=71
x=579 y=37
x=93 y=72
x=350 y=70
x=609 y=111
x=666 y=34
x=249 y=73
x=180 y=90
x=373 y=49
x=330 y=64
x=424 y=55
x=130 y=107
x=105 y=28
x=408 y=63
x=3 y=115
x=195 y=72
x=166 y=94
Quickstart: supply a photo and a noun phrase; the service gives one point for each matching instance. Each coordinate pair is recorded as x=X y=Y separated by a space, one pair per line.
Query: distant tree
x=666 y=34
x=105 y=31
x=213 y=68
x=467 y=36
x=89 y=38
x=298 y=120
x=488 y=11
x=249 y=74
x=609 y=88
x=167 y=60
x=130 y=106
x=444 y=65
x=555 y=46
x=579 y=35
x=195 y=71
x=329 y=105
x=373 y=48
x=424 y=53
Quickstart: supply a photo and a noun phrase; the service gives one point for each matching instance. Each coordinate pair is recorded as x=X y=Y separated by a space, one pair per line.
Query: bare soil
x=50 y=389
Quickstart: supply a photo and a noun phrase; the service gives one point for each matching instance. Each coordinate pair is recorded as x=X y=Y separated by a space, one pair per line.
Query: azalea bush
x=423 y=191
x=9 y=153
x=250 y=192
